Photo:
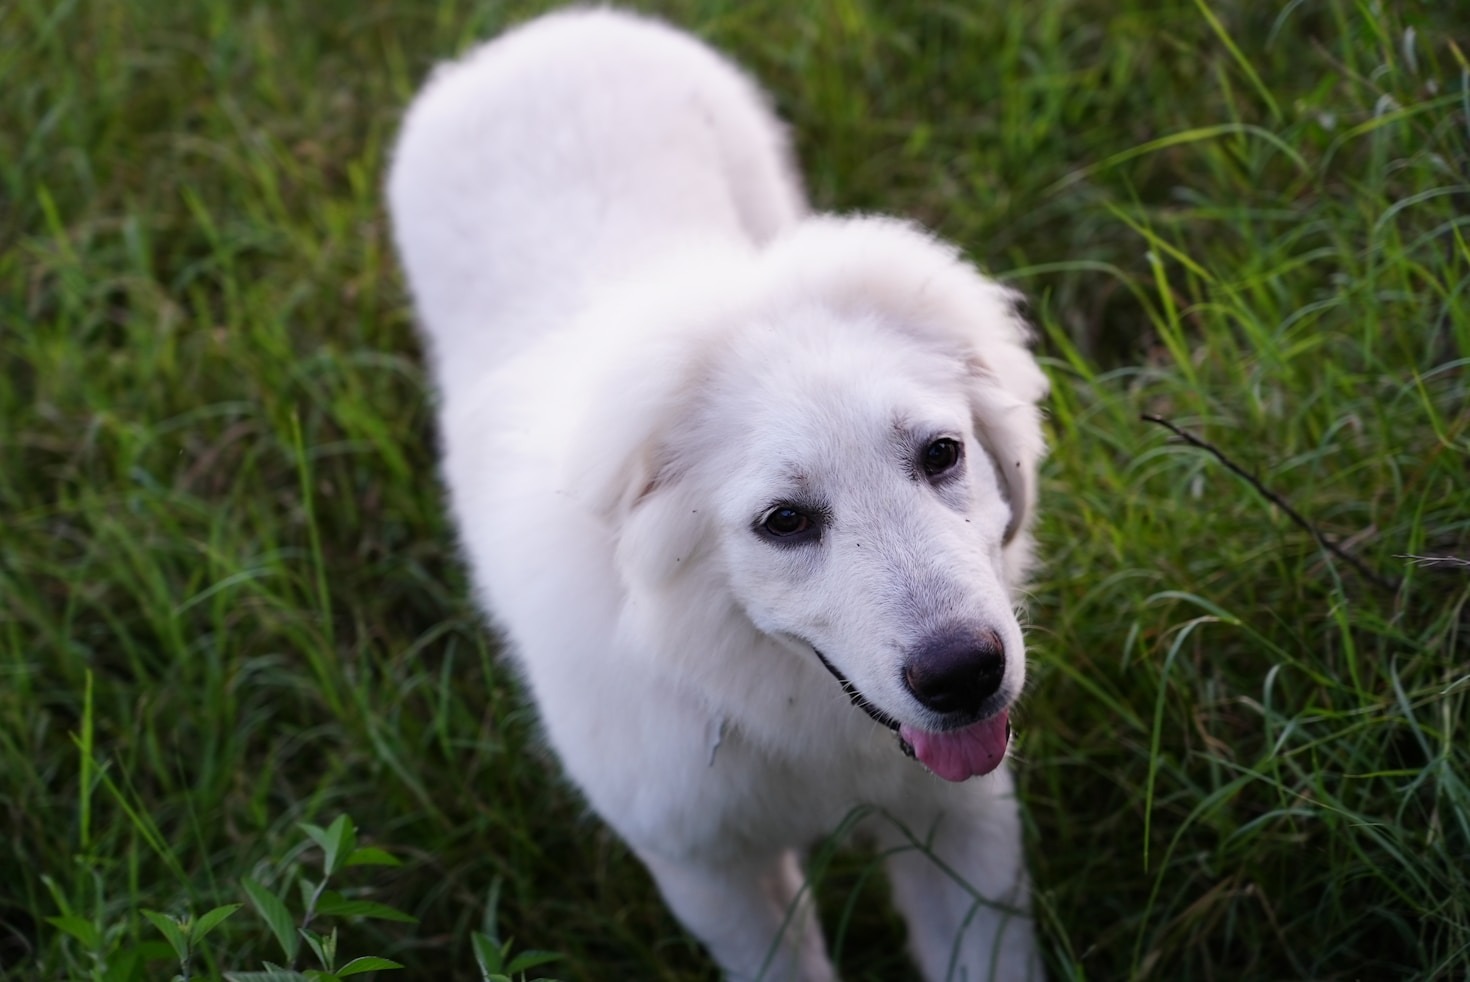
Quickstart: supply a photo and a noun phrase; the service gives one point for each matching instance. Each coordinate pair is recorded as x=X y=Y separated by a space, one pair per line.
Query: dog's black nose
x=955 y=671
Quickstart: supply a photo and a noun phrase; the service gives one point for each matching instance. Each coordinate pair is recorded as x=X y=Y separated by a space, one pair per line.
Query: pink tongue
x=956 y=755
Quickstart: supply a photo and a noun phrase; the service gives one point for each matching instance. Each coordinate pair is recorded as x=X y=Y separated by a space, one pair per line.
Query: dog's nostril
x=955 y=672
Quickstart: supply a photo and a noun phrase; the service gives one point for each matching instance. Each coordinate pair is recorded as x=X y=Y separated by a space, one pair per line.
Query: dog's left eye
x=790 y=525
x=941 y=456
x=786 y=521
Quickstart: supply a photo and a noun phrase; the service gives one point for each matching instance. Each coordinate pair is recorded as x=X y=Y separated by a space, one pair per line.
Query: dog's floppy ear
x=655 y=517
x=1006 y=386
x=637 y=440
x=632 y=473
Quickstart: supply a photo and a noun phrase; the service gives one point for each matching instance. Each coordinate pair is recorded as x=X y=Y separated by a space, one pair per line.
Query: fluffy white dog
x=747 y=490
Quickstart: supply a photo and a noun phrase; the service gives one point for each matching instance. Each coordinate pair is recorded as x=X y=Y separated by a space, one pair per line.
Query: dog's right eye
x=791 y=524
x=941 y=456
x=786 y=521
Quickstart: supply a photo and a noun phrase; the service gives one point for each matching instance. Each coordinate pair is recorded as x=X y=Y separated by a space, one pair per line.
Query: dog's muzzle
x=956 y=754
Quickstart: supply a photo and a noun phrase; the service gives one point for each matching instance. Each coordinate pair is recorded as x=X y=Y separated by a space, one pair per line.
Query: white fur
x=642 y=344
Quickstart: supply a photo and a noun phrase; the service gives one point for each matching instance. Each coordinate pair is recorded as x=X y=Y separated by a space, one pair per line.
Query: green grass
x=230 y=602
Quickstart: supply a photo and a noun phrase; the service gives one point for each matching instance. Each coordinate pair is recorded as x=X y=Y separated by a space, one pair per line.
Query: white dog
x=707 y=453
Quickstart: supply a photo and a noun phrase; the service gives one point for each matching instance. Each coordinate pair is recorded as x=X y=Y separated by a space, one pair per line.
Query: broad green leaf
x=367 y=963
x=270 y=975
x=334 y=904
x=171 y=930
x=487 y=954
x=277 y=917
x=209 y=920
x=372 y=856
x=337 y=841
x=78 y=927
x=527 y=960
x=344 y=836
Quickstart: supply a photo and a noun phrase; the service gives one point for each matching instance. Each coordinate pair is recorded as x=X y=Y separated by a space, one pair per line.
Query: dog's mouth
x=963 y=753
x=956 y=754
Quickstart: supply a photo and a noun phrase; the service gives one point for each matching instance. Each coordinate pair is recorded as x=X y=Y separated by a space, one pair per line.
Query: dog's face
x=861 y=483
x=863 y=514
x=860 y=509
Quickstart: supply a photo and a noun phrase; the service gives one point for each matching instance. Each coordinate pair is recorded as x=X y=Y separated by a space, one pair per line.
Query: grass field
x=230 y=601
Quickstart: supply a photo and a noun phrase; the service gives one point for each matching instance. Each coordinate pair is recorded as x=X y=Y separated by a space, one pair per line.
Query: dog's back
x=561 y=155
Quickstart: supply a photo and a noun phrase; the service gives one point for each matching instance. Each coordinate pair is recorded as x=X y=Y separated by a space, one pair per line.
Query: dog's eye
x=783 y=522
x=941 y=455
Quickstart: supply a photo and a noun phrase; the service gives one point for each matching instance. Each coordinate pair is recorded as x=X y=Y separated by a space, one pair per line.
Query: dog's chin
x=962 y=753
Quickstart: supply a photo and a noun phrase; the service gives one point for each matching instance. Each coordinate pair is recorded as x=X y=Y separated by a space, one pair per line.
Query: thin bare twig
x=1368 y=572
x=1438 y=562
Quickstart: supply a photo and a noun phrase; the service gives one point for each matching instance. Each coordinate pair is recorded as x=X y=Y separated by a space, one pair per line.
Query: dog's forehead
x=834 y=417
x=802 y=402
x=814 y=363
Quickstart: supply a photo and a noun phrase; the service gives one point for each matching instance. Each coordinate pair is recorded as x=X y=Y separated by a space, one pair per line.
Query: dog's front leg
x=752 y=915
x=959 y=877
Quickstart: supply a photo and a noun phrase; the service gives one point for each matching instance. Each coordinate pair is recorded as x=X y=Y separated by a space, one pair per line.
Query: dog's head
x=853 y=450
